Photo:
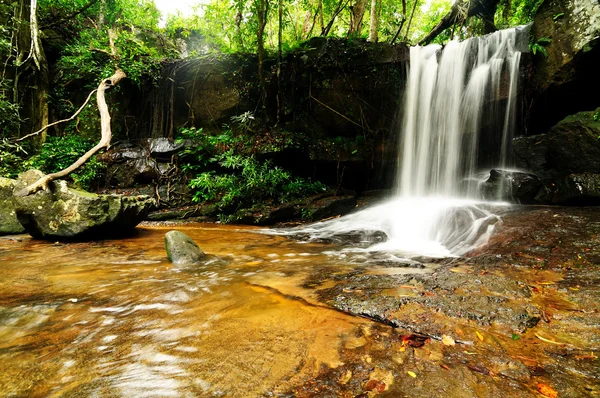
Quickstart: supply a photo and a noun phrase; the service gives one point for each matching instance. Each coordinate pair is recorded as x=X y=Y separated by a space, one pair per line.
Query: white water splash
x=451 y=98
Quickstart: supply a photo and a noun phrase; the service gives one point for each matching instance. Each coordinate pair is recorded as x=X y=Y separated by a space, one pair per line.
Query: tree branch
x=71 y=16
x=59 y=121
x=106 y=136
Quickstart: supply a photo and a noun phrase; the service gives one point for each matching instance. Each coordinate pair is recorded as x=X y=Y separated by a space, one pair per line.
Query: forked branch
x=73 y=116
x=106 y=136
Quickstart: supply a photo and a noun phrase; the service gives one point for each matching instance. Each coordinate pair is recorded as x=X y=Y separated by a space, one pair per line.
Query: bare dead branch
x=106 y=136
x=59 y=121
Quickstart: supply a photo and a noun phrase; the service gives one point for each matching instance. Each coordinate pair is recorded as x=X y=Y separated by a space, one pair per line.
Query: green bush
x=58 y=153
x=229 y=175
x=12 y=156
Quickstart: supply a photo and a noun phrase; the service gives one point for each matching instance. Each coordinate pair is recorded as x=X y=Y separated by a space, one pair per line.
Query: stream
x=270 y=316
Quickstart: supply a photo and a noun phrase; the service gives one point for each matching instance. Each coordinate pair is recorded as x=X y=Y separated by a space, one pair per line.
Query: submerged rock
x=181 y=249
x=60 y=212
x=9 y=224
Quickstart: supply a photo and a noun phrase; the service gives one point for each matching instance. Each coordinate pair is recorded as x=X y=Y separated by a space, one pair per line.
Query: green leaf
x=515 y=337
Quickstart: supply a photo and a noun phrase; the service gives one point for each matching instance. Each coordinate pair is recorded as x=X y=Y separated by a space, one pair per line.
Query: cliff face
x=566 y=80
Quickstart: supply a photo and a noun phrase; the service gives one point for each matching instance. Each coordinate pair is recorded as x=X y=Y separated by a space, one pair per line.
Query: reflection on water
x=114 y=318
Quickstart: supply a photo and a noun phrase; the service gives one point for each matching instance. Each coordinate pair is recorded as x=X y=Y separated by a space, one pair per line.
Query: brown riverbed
x=270 y=316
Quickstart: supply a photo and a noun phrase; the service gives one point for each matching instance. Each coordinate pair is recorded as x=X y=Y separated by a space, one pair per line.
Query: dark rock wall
x=343 y=95
x=567 y=80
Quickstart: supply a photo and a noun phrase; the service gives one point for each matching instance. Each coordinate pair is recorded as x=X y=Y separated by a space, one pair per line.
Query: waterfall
x=459 y=114
x=448 y=95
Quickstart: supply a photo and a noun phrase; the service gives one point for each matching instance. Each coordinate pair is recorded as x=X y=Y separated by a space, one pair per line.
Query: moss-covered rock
x=60 y=212
x=181 y=249
x=9 y=224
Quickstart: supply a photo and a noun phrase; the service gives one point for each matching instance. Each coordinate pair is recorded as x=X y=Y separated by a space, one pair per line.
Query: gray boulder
x=9 y=224
x=181 y=249
x=60 y=212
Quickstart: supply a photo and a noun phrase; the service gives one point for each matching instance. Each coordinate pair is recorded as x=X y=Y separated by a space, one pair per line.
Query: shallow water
x=268 y=316
x=114 y=318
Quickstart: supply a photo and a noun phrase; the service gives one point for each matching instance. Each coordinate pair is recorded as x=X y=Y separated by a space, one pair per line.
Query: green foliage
x=58 y=153
x=516 y=12
x=228 y=174
x=538 y=46
x=12 y=156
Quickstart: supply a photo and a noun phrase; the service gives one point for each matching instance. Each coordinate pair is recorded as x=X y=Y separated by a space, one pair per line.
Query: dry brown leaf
x=547 y=391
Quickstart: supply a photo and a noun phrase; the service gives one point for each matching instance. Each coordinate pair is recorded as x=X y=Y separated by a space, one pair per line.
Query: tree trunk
x=39 y=104
x=373 y=22
x=357 y=12
x=263 y=11
x=401 y=22
x=460 y=12
x=279 y=55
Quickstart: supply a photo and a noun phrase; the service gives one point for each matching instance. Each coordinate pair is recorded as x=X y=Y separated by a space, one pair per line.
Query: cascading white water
x=451 y=99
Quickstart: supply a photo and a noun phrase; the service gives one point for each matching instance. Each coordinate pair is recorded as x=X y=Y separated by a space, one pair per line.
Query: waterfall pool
x=269 y=316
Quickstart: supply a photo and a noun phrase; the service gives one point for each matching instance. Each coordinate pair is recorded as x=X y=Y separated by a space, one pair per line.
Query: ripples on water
x=114 y=318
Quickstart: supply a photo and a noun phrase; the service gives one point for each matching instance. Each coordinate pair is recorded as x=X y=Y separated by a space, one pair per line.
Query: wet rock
x=513 y=186
x=181 y=249
x=331 y=206
x=571 y=146
x=571 y=66
x=206 y=211
x=164 y=148
x=60 y=212
x=574 y=189
x=484 y=299
x=9 y=224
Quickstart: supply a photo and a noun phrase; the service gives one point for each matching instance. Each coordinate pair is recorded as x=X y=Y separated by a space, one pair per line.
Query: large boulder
x=570 y=147
x=60 y=212
x=9 y=224
x=181 y=249
x=571 y=66
x=567 y=159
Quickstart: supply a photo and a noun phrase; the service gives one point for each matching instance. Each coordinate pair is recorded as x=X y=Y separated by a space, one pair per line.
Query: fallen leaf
x=414 y=340
x=447 y=340
x=547 y=391
x=411 y=374
x=377 y=385
x=444 y=366
x=479 y=335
